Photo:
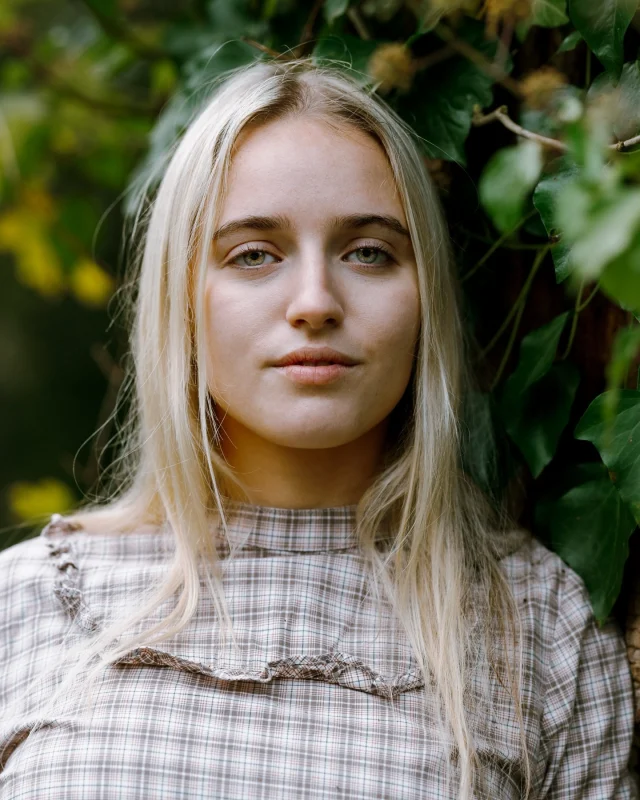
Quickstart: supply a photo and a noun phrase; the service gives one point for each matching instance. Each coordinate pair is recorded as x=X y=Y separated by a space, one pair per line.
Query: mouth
x=315 y=373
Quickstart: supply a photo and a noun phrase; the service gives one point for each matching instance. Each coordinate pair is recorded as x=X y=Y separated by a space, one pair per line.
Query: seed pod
x=538 y=87
x=497 y=10
x=391 y=66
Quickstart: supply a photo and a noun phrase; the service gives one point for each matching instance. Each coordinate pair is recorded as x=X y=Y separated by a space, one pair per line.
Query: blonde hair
x=441 y=570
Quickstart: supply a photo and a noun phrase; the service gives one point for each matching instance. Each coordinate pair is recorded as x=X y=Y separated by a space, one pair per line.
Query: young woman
x=296 y=591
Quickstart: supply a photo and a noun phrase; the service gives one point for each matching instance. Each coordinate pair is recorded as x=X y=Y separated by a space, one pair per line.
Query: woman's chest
x=163 y=735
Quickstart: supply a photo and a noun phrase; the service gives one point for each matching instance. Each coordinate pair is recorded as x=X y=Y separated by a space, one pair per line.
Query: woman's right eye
x=252 y=257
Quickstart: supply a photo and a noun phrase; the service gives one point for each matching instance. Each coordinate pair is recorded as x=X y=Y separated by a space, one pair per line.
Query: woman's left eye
x=253 y=257
x=369 y=255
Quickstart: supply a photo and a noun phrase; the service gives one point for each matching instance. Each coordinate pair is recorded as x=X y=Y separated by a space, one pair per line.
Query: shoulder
x=21 y=564
x=545 y=584
x=54 y=570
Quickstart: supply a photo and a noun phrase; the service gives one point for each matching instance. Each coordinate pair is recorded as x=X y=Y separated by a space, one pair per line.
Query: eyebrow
x=279 y=222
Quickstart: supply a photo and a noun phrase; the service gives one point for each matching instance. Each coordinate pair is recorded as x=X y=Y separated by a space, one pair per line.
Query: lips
x=315 y=357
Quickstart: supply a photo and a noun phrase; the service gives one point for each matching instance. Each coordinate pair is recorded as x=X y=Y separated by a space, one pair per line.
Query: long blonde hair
x=441 y=570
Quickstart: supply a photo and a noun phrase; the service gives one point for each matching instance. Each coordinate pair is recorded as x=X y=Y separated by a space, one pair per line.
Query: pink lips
x=315 y=376
x=315 y=366
x=312 y=354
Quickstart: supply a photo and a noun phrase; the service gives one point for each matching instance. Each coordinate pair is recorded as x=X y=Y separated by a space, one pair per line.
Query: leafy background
x=529 y=113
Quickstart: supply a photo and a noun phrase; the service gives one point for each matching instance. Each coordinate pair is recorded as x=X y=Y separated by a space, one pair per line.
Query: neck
x=289 y=477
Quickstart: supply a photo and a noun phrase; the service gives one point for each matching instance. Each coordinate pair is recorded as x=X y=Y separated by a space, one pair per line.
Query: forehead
x=309 y=164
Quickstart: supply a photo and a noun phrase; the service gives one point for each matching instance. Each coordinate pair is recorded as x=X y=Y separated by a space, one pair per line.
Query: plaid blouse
x=324 y=701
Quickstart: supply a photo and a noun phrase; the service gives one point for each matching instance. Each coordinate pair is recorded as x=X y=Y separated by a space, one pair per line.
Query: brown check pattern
x=322 y=701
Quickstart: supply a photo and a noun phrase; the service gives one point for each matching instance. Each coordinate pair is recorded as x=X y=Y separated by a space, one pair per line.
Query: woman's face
x=304 y=262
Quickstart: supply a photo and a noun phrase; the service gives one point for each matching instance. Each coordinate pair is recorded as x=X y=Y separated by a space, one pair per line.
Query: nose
x=314 y=296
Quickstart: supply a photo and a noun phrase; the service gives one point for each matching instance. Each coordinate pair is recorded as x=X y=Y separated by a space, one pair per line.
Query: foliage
x=529 y=116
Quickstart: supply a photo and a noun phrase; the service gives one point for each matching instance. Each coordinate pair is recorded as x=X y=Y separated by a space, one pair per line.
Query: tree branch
x=622 y=146
x=501 y=114
x=307 y=31
x=358 y=24
x=262 y=47
x=476 y=57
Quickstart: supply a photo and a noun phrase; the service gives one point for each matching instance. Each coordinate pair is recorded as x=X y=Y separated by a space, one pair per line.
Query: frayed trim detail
x=332 y=667
x=67 y=584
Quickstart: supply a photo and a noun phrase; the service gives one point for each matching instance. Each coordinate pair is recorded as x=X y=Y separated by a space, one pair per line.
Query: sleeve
x=587 y=726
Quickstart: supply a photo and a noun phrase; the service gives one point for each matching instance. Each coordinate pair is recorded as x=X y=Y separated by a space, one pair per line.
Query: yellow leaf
x=90 y=284
x=48 y=496
x=38 y=266
x=24 y=232
x=13 y=229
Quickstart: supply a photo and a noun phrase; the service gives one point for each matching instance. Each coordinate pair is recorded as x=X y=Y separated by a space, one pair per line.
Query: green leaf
x=545 y=200
x=536 y=399
x=549 y=13
x=570 y=42
x=545 y=13
x=507 y=180
x=603 y=24
x=334 y=9
x=625 y=113
x=613 y=435
x=590 y=527
x=626 y=347
x=537 y=353
x=353 y=52
x=620 y=279
x=536 y=421
x=440 y=105
x=598 y=234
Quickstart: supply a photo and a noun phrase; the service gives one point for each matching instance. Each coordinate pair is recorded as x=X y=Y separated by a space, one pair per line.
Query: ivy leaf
x=626 y=347
x=507 y=180
x=546 y=14
x=440 y=106
x=603 y=24
x=625 y=114
x=536 y=422
x=334 y=9
x=545 y=200
x=549 y=13
x=537 y=397
x=613 y=435
x=537 y=353
x=599 y=231
x=620 y=279
x=570 y=42
x=590 y=527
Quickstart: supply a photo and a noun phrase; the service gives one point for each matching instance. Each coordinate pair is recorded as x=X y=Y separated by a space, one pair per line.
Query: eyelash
x=373 y=267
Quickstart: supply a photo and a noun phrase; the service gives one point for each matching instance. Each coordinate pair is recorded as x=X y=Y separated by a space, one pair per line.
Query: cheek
x=221 y=337
x=232 y=329
x=394 y=326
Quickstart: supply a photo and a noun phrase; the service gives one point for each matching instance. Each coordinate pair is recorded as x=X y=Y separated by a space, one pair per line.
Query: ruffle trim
x=333 y=667
x=67 y=583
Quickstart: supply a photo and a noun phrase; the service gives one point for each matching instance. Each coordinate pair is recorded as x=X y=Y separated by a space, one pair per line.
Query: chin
x=306 y=438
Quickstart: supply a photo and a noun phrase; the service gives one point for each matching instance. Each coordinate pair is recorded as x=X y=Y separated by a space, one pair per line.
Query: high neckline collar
x=297 y=529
